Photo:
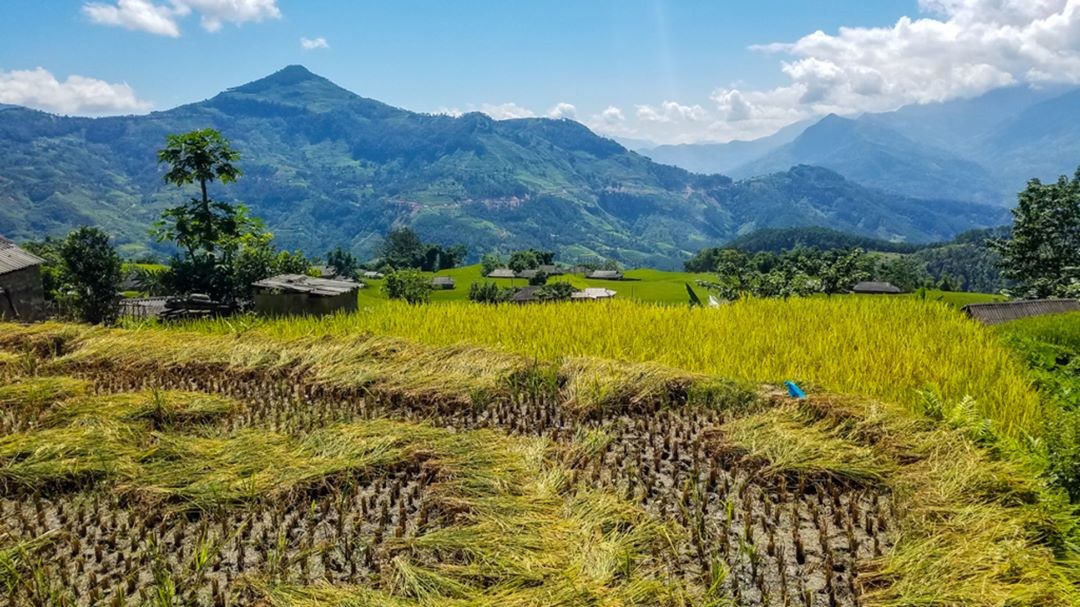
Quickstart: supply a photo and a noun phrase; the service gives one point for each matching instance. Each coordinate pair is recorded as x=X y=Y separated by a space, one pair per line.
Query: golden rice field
x=169 y=467
x=883 y=348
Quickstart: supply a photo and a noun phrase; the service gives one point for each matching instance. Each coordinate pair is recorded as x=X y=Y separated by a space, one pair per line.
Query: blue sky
x=664 y=70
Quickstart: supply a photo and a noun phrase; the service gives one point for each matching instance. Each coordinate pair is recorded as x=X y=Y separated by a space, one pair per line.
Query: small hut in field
x=605 y=275
x=502 y=273
x=299 y=295
x=869 y=287
x=442 y=282
x=22 y=296
x=593 y=294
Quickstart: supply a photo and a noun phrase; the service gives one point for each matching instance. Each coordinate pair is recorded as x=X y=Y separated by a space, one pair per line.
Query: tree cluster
x=1043 y=254
x=403 y=249
x=410 y=285
x=82 y=274
x=519 y=261
x=223 y=250
x=790 y=274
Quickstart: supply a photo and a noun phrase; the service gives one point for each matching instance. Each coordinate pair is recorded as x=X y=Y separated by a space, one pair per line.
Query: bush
x=556 y=291
x=92 y=272
x=488 y=292
x=409 y=285
x=1063 y=452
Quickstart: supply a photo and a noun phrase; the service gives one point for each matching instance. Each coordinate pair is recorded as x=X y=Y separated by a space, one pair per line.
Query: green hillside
x=324 y=167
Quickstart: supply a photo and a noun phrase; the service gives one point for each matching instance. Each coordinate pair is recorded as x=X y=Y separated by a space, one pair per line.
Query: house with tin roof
x=22 y=296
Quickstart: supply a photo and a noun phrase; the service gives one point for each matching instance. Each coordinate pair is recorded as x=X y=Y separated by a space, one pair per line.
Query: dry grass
x=974 y=528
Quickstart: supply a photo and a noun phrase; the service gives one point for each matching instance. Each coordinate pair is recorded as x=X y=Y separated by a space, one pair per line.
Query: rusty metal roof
x=298 y=283
x=997 y=313
x=12 y=258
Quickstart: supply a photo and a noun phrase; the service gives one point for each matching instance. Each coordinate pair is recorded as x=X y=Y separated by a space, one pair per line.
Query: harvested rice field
x=190 y=467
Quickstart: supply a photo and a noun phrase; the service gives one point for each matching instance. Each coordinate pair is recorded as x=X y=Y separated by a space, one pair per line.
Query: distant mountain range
x=982 y=150
x=325 y=167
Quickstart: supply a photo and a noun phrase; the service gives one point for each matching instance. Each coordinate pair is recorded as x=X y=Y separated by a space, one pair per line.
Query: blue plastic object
x=794 y=391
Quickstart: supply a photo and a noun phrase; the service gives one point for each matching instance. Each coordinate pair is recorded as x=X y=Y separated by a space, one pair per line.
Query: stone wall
x=23 y=298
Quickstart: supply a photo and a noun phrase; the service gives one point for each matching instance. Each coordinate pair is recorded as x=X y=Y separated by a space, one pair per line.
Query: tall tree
x=1043 y=254
x=403 y=249
x=343 y=262
x=209 y=232
x=91 y=271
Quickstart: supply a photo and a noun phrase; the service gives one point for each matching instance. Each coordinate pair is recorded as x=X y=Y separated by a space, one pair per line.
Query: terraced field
x=172 y=466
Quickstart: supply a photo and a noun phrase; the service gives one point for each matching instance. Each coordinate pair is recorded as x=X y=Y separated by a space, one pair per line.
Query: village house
x=593 y=294
x=296 y=294
x=605 y=275
x=875 y=288
x=502 y=273
x=22 y=296
x=442 y=282
x=525 y=295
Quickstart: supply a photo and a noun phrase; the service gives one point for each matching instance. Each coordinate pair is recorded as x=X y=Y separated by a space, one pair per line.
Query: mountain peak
x=288 y=76
x=292 y=86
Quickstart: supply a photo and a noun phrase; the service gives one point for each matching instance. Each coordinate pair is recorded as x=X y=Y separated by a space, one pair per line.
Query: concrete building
x=22 y=296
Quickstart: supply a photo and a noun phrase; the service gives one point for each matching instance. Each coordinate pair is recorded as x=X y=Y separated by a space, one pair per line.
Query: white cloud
x=953 y=49
x=79 y=95
x=135 y=15
x=963 y=49
x=500 y=111
x=610 y=116
x=562 y=110
x=163 y=19
x=504 y=111
x=310 y=44
x=671 y=111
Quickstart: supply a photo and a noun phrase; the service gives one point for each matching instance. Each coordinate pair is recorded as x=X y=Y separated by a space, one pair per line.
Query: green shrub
x=410 y=285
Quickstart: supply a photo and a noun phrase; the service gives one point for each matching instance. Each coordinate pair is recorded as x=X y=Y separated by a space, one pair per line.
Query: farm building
x=875 y=288
x=296 y=294
x=22 y=297
x=525 y=295
x=551 y=270
x=373 y=275
x=442 y=282
x=325 y=271
x=605 y=275
x=502 y=273
x=997 y=313
x=593 y=293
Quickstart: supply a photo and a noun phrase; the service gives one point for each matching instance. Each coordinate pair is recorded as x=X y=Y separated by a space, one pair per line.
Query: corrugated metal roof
x=869 y=286
x=593 y=293
x=298 y=283
x=605 y=274
x=997 y=313
x=12 y=258
x=502 y=273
